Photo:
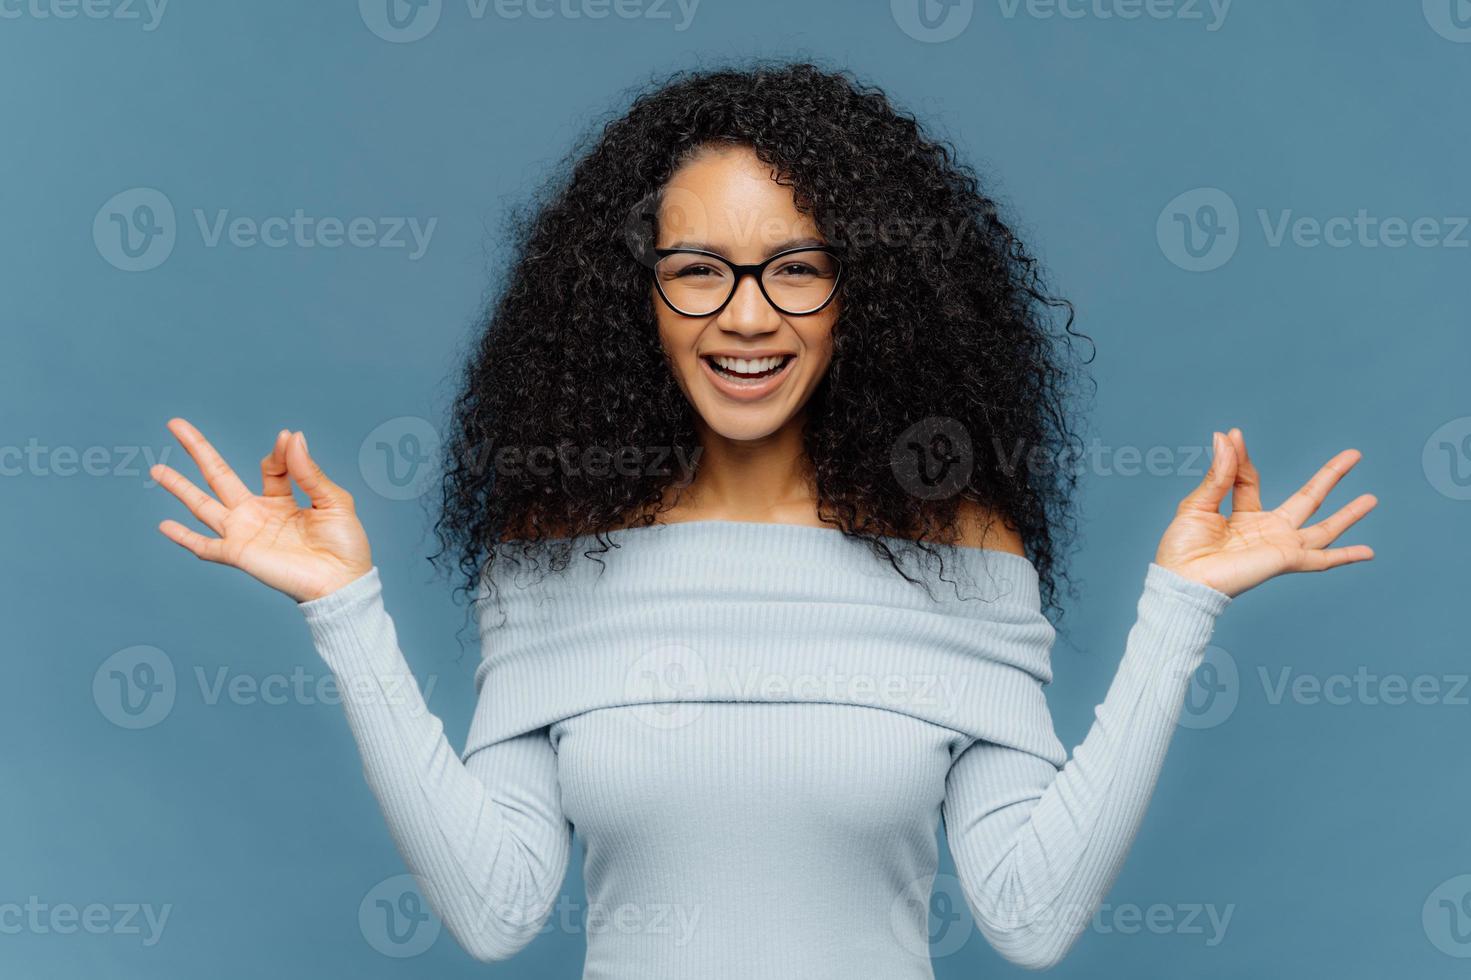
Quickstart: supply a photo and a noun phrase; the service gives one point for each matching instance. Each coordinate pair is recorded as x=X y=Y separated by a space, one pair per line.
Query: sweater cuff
x=1176 y=587
x=350 y=628
x=365 y=587
x=1176 y=618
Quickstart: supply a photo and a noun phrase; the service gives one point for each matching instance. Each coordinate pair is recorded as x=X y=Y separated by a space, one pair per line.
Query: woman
x=737 y=677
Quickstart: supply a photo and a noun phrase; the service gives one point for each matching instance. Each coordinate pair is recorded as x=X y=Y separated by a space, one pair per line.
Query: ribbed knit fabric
x=756 y=730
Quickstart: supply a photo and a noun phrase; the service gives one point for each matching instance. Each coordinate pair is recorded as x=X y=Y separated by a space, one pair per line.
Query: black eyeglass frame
x=755 y=271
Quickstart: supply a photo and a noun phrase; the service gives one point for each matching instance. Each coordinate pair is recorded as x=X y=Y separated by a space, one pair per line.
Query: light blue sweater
x=756 y=730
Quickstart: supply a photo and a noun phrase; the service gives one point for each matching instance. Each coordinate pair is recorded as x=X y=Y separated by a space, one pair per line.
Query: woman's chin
x=747 y=424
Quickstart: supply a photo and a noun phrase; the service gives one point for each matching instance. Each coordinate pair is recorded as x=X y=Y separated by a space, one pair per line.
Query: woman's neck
x=767 y=479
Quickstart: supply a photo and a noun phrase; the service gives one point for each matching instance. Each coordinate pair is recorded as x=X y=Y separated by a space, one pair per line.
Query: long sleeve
x=485 y=836
x=1037 y=847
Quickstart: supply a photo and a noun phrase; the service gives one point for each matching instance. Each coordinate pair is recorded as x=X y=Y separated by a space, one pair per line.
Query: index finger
x=1301 y=505
x=217 y=473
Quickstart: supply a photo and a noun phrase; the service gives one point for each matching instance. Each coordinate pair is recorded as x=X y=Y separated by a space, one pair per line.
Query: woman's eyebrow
x=790 y=243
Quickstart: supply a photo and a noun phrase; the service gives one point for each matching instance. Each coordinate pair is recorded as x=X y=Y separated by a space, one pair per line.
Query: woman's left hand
x=1233 y=554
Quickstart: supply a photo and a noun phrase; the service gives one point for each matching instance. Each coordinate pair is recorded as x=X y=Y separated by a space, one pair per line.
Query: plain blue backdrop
x=1260 y=213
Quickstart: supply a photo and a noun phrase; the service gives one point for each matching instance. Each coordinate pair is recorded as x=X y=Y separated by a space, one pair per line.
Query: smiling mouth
x=752 y=370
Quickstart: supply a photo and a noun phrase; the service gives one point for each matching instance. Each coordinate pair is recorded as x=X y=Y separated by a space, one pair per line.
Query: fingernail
x=303 y=438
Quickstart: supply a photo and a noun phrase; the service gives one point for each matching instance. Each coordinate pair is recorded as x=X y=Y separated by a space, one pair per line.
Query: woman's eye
x=696 y=270
x=796 y=269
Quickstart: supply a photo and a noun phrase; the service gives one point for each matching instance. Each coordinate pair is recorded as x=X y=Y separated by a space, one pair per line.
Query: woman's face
x=726 y=201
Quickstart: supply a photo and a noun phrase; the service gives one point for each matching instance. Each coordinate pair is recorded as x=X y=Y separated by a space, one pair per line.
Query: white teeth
x=740 y=365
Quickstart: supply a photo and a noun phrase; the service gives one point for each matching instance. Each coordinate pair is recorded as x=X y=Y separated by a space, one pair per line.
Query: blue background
x=1323 y=828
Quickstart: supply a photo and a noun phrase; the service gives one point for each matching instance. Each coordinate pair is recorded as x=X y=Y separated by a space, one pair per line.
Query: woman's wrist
x=1189 y=587
x=342 y=594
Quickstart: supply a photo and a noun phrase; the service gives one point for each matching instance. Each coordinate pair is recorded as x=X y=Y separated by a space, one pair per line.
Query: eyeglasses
x=798 y=281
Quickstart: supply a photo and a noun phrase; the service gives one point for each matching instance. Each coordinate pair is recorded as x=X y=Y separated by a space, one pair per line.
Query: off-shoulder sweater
x=756 y=730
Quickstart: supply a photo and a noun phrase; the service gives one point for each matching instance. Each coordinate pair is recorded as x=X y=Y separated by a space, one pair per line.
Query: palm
x=305 y=552
x=1235 y=553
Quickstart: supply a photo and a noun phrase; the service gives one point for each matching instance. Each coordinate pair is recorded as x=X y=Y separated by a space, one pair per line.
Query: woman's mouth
x=747 y=378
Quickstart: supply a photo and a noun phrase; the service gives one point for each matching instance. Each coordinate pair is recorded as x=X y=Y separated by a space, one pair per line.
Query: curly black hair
x=945 y=328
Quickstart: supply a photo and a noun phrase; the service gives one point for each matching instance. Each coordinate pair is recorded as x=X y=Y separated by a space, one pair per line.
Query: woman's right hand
x=305 y=552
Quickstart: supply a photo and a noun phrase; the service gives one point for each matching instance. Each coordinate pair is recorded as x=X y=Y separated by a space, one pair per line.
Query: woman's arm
x=486 y=839
x=1038 y=847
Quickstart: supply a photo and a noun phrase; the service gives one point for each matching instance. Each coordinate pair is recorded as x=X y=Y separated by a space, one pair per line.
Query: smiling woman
x=741 y=687
x=780 y=212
